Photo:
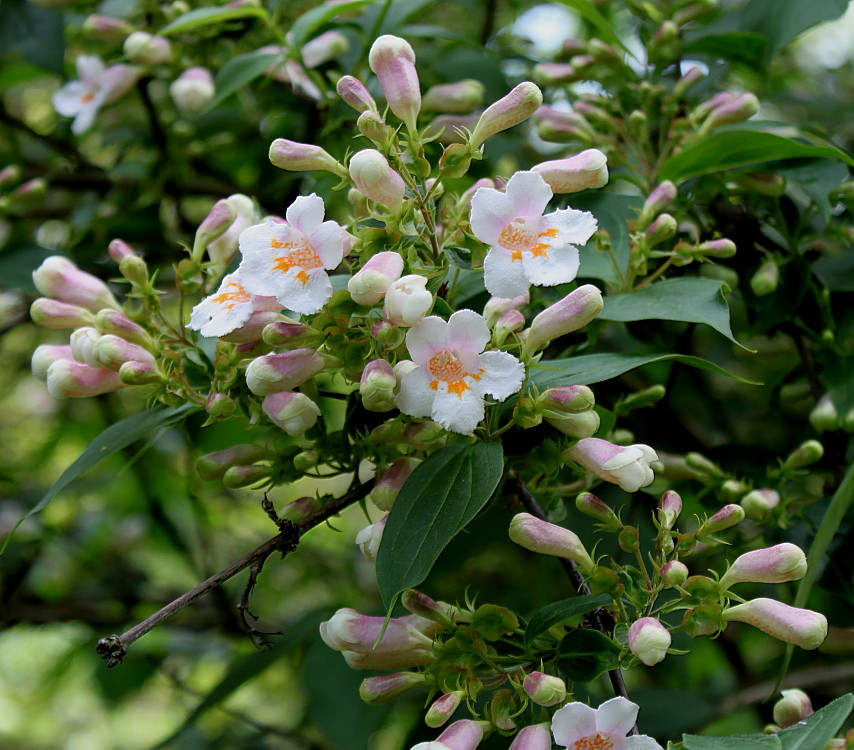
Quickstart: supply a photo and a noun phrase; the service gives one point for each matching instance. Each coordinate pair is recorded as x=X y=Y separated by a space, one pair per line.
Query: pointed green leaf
x=239 y=71
x=207 y=16
x=584 y=654
x=737 y=47
x=557 y=612
x=734 y=742
x=817 y=729
x=316 y=17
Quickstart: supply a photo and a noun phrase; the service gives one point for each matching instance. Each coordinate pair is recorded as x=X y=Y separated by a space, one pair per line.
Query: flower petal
x=575 y=227
x=327 y=239
x=503 y=276
x=306 y=213
x=640 y=742
x=416 y=397
x=572 y=722
x=304 y=292
x=529 y=194
x=427 y=338
x=490 y=212
x=468 y=331
x=91 y=70
x=616 y=716
x=68 y=100
x=256 y=269
x=460 y=411
x=504 y=374
x=559 y=265
x=85 y=117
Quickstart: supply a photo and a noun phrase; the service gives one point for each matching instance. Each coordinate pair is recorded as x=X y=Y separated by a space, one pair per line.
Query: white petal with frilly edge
x=458 y=411
x=467 y=330
x=572 y=722
x=306 y=213
x=529 y=194
x=68 y=100
x=503 y=376
x=304 y=292
x=490 y=212
x=617 y=716
x=328 y=241
x=416 y=397
x=557 y=266
x=427 y=338
x=574 y=227
x=503 y=276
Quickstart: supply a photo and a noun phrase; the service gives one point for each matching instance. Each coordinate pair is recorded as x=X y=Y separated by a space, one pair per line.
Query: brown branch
x=114 y=647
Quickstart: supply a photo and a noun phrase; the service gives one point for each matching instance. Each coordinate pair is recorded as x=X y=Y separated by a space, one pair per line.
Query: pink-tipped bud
x=803 y=627
x=353 y=91
x=323 y=48
x=704 y=108
x=498 y=306
x=777 y=564
x=590 y=505
x=61 y=279
x=554 y=73
x=573 y=312
x=140 y=373
x=193 y=90
x=215 y=224
x=461 y=735
x=117 y=323
x=69 y=379
x=407 y=300
x=738 y=109
x=443 y=708
x=533 y=737
x=219 y=405
x=274 y=373
x=512 y=109
x=759 y=503
x=10 y=175
x=511 y=322
x=448 y=129
x=118 y=80
x=674 y=573
x=105 y=28
x=649 y=640
x=382 y=660
x=720 y=248
x=388 y=336
x=390 y=481
x=793 y=707
x=557 y=126
x=300 y=509
x=626 y=466
x=567 y=399
x=83 y=341
x=544 y=689
x=112 y=352
x=387 y=687
x=663 y=228
x=214 y=465
x=372 y=126
x=669 y=508
x=286 y=333
x=549 y=539
x=223 y=248
x=368 y=286
x=347 y=630
x=454 y=98
x=246 y=476
x=589 y=169
x=302 y=157
x=393 y=61
x=253 y=329
x=660 y=198
x=295 y=413
x=374 y=177
x=45 y=355
x=141 y=47
x=805 y=454
x=727 y=517
x=377 y=386
x=369 y=538
x=578 y=426
x=51 y=313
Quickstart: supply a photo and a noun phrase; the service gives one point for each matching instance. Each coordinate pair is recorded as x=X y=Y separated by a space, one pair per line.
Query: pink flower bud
x=353 y=91
x=274 y=373
x=193 y=90
x=461 y=735
x=253 y=329
x=214 y=465
x=246 y=476
x=663 y=228
x=374 y=177
x=443 y=708
x=300 y=157
x=496 y=306
x=511 y=322
x=554 y=74
x=422 y=606
x=119 y=324
x=373 y=127
x=407 y=300
x=368 y=286
x=803 y=627
x=323 y=48
x=295 y=413
x=369 y=539
x=112 y=352
x=720 y=248
x=674 y=573
x=759 y=503
x=586 y=170
x=794 y=706
x=626 y=466
x=140 y=373
x=517 y=106
x=805 y=454
x=377 y=386
x=454 y=98
x=69 y=379
x=544 y=689
x=725 y=518
x=777 y=564
x=347 y=630
x=567 y=399
x=382 y=660
x=592 y=506
x=533 y=737
x=649 y=640
x=10 y=175
x=448 y=129
x=45 y=355
x=393 y=61
x=549 y=539
x=390 y=481
x=118 y=80
x=669 y=508
x=573 y=312
x=61 y=279
x=375 y=690
x=738 y=109
x=83 y=342
x=51 y=313
x=704 y=108
x=659 y=199
x=286 y=333
x=578 y=426
x=141 y=47
x=105 y=28
x=557 y=126
x=222 y=249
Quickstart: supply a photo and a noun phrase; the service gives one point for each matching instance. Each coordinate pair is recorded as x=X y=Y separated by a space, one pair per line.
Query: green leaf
x=736 y=47
x=584 y=654
x=734 y=742
x=612 y=212
x=440 y=497
x=208 y=16
x=604 y=28
x=728 y=149
x=459 y=256
x=836 y=272
x=836 y=377
x=817 y=178
x=688 y=299
x=316 y=17
x=817 y=729
x=594 y=368
x=239 y=71
x=781 y=22
x=115 y=438
x=33 y=33
x=557 y=612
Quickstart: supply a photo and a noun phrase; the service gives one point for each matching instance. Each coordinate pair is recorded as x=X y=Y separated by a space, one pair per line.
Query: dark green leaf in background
x=199 y=17
x=612 y=212
x=313 y=19
x=836 y=272
x=584 y=654
x=734 y=742
x=32 y=33
x=557 y=612
x=817 y=178
x=781 y=22
x=239 y=71
x=736 y=47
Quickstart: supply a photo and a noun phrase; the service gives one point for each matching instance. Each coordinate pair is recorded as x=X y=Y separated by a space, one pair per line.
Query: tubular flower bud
x=533 y=737
x=446 y=129
x=375 y=178
x=738 y=109
x=295 y=413
x=118 y=324
x=274 y=373
x=544 y=689
x=759 y=503
x=83 y=341
x=586 y=170
x=51 y=313
x=720 y=248
x=373 y=127
x=578 y=426
x=663 y=228
x=377 y=386
x=393 y=61
x=669 y=508
x=112 y=352
x=659 y=199
x=674 y=573
x=407 y=300
x=105 y=28
x=45 y=355
x=592 y=506
x=517 y=106
x=794 y=706
x=725 y=518
x=454 y=98
x=805 y=454
x=766 y=279
x=549 y=539
x=324 y=48
x=511 y=322
x=375 y=690
x=214 y=465
x=193 y=90
x=369 y=539
x=649 y=640
x=391 y=660
x=554 y=74
x=703 y=109
x=347 y=630
x=567 y=399
x=254 y=327
x=803 y=627
x=425 y=608
x=464 y=734
x=557 y=126
x=222 y=249
x=353 y=91
x=368 y=286
x=300 y=509
x=777 y=564
x=246 y=476
x=497 y=306
x=286 y=333
x=61 y=279
x=626 y=466
x=139 y=373
x=301 y=157
x=141 y=47
x=443 y=708
x=573 y=312
x=69 y=379
x=390 y=481
x=218 y=405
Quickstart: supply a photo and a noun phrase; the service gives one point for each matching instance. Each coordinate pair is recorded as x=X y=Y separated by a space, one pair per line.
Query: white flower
x=451 y=376
x=525 y=246
x=228 y=309
x=287 y=261
x=83 y=98
x=576 y=726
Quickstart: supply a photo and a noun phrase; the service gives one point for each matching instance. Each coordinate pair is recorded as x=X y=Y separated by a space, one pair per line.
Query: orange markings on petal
x=600 y=741
x=549 y=232
x=515 y=255
x=302 y=277
x=446 y=367
x=230 y=298
x=540 y=251
x=458 y=387
x=301 y=256
x=434 y=385
x=85 y=98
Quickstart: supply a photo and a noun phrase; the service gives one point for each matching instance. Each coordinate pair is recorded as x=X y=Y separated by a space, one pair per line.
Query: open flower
x=576 y=726
x=228 y=309
x=287 y=261
x=452 y=376
x=525 y=246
